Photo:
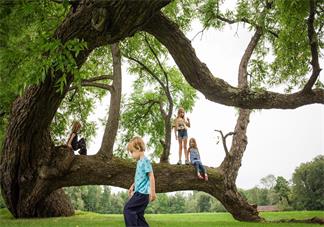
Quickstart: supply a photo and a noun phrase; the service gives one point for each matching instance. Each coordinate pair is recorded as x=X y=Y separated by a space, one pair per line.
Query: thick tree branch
x=119 y=172
x=215 y=89
x=313 y=42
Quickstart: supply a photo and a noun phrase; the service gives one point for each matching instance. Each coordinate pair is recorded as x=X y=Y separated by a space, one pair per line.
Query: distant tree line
x=304 y=192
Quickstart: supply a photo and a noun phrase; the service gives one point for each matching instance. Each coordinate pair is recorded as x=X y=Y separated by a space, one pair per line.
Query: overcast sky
x=278 y=140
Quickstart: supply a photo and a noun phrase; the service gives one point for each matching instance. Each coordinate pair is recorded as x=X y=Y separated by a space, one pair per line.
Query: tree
x=203 y=203
x=45 y=67
x=308 y=188
x=105 y=201
x=282 y=189
x=269 y=181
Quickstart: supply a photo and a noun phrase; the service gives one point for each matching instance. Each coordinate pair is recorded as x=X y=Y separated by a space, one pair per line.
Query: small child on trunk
x=195 y=159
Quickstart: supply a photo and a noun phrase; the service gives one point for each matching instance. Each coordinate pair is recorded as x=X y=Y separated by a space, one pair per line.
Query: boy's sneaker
x=187 y=162
x=179 y=162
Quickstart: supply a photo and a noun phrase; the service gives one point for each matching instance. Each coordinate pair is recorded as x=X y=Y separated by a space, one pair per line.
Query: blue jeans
x=199 y=166
x=182 y=134
x=134 y=210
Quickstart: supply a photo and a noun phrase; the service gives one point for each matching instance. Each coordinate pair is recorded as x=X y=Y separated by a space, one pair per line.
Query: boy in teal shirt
x=142 y=191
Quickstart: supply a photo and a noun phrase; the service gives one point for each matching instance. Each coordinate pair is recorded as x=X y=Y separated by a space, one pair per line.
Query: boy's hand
x=131 y=191
x=152 y=196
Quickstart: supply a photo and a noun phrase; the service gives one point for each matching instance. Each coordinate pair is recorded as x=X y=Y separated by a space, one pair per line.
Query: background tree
x=282 y=189
x=308 y=188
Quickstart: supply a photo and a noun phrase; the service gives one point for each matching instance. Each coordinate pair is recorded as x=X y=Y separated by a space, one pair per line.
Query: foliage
x=141 y=113
x=79 y=103
x=29 y=52
x=308 y=185
x=283 y=54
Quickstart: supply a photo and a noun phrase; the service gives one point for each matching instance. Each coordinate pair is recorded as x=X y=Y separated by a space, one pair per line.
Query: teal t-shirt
x=142 y=180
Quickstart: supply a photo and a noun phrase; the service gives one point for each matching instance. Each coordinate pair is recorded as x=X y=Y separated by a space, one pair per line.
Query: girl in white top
x=181 y=125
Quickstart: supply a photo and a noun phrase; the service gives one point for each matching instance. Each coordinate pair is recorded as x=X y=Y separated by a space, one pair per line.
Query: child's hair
x=194 y=142
x=181 y=109
x=76 y=126
x=136 y=143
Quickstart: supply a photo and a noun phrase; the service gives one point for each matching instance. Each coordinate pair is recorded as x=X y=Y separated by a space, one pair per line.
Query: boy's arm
x=130 y=190
x=152 y=186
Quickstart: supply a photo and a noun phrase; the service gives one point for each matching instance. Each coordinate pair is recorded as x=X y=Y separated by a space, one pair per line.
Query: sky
x=278 y=140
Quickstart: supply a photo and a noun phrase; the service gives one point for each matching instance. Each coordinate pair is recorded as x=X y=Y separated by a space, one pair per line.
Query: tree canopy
x=56 y=61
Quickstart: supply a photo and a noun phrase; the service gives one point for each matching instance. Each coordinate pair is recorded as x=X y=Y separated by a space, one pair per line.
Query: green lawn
x=157 y=220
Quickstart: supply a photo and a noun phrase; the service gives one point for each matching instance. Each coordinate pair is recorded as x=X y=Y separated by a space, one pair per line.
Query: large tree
x=33 y=169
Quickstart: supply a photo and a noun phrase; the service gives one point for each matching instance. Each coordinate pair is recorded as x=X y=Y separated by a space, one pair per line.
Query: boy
x=143 y=187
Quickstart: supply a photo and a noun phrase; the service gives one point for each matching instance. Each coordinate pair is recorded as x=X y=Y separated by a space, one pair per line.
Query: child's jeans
x=199 y=166
x=134 y=210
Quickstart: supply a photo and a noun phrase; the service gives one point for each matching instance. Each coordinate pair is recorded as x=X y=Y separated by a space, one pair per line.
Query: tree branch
x=103 y=77
x=215 y=89
x=313 y=42
x=242 y=75
x=224 y=139
x=147 y=69
x=85 y=83
x=245 y=20
x=158 y=60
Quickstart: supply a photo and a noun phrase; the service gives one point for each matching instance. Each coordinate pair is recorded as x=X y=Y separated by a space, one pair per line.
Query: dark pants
x=134 y=210
x=199 y=167
x=81 y=144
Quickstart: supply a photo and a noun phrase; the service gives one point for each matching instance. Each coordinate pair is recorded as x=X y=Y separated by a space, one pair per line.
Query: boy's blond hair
x=136 y=143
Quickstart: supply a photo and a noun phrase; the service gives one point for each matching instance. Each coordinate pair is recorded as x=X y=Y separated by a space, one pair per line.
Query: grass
x=157 y=220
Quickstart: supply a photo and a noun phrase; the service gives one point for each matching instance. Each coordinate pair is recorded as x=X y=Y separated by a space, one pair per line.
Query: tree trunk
x=168 y=133
x=111 y=129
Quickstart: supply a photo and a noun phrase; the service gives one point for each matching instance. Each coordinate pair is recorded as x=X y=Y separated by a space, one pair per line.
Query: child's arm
x=175 y=129
x=188 y=122
x=152 y=186
x=130 y=190
x=70 y=140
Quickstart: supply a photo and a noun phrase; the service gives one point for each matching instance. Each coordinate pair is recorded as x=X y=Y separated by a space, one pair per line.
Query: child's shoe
x=187 y=162
x=199 y=176
x=206 y=177
x=179 y=162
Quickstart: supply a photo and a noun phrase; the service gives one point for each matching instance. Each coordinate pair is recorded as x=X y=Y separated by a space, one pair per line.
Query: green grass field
x=157 y=220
